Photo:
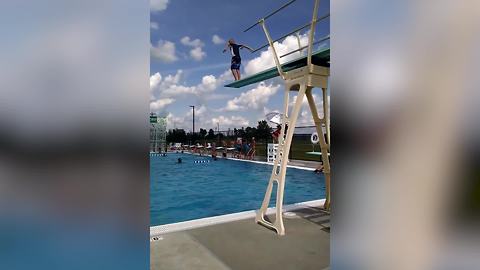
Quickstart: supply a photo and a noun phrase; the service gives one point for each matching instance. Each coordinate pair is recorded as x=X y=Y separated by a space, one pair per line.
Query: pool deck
x=305 y=164
x=243 y=244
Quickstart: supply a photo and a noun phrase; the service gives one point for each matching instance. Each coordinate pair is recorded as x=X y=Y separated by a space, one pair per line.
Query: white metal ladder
x=301 y=80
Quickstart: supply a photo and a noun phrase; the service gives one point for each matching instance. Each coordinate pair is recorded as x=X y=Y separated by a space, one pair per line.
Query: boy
x=236 y=59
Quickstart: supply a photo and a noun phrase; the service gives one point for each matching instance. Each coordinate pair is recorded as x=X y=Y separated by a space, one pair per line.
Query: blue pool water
x=186 y=191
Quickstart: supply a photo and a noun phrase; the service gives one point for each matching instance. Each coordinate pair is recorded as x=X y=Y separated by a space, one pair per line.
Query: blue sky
x=188 y=67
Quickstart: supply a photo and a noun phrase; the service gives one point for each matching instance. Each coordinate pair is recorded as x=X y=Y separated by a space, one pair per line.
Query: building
x=158 y=133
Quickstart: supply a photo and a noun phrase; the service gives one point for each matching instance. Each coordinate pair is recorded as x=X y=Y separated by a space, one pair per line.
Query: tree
x=264 y=131
x=176 y=136
x=241 y=132
x=250 y=132
x=203 y=133
x=210 y=135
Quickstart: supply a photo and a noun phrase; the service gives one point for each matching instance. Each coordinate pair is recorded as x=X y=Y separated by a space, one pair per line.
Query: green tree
x=176 y=136
x=264 y=131
x=202 y=133
x=210 y=135
x=241 y=132
x=250 y=132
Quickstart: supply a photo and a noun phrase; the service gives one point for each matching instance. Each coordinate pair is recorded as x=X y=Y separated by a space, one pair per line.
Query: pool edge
x=203 y=222
x=258 y=162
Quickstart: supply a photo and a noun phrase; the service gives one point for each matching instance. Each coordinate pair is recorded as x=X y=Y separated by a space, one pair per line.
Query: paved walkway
x=246 y=245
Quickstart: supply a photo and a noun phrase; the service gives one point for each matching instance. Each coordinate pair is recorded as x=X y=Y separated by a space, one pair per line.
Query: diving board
x=300 y=75
x=319 y=58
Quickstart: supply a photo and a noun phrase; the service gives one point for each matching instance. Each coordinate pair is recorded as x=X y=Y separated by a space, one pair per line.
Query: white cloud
x=210 y=82
x=175 y=78
x=154 y=25
x=171 y=89
x=305 y=100
x=160 y=104
x=265 y=60
x=155 y=80
x=192 y=43
x=199 y=111
x=202 y=119
x=158 y=5
x=305 y=117
x=197 y=54
x=229 y=122
x=217 y=40
x=164 y=51
x=175 y=122
x=170 y=86
x=255 y=98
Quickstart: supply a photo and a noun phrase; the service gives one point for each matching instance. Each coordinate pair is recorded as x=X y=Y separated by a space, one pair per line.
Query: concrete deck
x=246 y=245
x=291 y=162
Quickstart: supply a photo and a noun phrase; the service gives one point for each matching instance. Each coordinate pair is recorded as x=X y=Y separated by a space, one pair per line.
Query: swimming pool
x=192 y=190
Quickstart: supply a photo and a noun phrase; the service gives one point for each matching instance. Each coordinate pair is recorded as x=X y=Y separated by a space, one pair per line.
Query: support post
x=280 y=165
x=274 y=52
x=312 y=34
x=324 y=146
x=302 y=80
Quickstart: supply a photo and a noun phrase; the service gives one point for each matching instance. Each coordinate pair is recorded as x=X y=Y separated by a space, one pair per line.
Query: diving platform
x=319 y=58
x=301 y=76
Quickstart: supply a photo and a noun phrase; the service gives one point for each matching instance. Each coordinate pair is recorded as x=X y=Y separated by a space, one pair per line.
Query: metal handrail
x=311 y=35
x=269 y=15
x=304 y=47
x=292 y=32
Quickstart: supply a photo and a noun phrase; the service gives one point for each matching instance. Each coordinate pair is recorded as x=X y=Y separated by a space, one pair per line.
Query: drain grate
x=156 y=238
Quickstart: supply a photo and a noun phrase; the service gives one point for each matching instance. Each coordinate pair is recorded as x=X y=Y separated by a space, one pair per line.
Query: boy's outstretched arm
x=248 y=47
x=226 y=47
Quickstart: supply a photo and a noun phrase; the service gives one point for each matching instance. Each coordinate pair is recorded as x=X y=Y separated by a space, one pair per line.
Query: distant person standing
x=236 y=59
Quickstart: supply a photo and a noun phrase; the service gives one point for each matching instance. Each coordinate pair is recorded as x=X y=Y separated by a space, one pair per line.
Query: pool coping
x=271 y=164
x=259 y=162
x=208 y=221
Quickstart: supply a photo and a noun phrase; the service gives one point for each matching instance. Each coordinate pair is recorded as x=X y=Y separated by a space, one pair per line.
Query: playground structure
x=300 y=75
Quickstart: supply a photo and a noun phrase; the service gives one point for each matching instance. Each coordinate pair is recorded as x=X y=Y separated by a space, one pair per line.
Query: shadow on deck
x=246 y=245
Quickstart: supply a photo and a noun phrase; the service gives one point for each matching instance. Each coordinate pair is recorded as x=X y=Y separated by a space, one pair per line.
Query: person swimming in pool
x=179 y=160
x=236 y=59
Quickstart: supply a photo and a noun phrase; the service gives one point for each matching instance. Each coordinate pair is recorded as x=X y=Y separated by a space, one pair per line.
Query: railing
x=269 y=15
x=296 y=30
x=311 y=42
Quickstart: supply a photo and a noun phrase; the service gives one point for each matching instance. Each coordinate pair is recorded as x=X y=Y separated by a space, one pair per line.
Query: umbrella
x=274 y=117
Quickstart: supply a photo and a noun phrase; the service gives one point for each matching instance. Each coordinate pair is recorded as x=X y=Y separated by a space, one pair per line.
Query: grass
x=297 y=150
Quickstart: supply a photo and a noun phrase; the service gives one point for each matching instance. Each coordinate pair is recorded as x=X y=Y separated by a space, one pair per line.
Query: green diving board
x=319 y=58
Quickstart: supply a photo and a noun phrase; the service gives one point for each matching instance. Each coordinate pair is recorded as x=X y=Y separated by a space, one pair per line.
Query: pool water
x=200 y=187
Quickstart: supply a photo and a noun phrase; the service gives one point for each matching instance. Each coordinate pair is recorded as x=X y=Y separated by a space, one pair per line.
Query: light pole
x=193 y=121
x=218 y=132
